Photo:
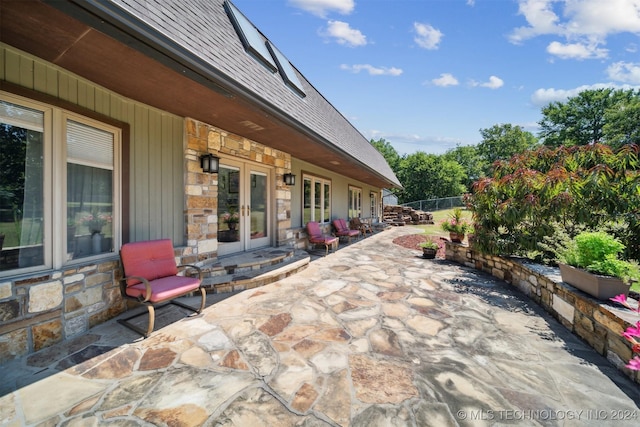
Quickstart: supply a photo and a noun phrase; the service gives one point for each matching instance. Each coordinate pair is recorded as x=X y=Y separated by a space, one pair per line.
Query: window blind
x=89 y=146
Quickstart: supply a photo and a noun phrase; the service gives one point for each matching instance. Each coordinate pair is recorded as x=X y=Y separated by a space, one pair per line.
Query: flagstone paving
x=372 y=335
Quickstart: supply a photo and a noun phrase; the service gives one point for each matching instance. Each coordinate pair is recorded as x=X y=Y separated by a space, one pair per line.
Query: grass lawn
x=438 y=217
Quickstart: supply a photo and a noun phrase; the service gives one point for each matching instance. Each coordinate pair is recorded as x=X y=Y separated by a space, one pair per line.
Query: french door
x=244 y=214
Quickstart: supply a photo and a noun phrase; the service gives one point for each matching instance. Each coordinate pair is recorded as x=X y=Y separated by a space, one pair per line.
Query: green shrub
x=536 y=192
x=598 y=252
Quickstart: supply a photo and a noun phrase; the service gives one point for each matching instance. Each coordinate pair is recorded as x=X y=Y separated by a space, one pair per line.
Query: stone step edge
x=223 y=270
x=257 y=278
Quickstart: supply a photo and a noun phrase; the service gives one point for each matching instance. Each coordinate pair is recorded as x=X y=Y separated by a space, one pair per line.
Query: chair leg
x=152 y=320
x=152 y=316
x=204 y=300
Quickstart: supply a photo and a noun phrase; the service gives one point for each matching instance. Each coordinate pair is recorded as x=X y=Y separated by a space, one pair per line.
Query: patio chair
x=151 y=277
x=343 y=230
x=317 y=237
x=358 y=224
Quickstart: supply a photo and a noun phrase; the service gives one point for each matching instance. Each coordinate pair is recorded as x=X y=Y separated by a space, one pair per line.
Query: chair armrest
x=147 y=285
x=191 y=266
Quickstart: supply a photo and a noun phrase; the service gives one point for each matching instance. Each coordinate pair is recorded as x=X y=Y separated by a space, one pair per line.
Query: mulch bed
x=412 y=241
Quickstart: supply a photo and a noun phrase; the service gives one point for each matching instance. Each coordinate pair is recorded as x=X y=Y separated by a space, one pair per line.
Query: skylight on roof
x=286 y=70
x=251 y=38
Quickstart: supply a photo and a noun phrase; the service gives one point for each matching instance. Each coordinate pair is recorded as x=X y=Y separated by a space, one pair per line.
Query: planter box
x=601 y=287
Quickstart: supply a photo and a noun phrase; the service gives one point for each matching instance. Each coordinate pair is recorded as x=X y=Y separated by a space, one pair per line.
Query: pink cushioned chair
x=316 y=237
x=343 y=230
x=150 y=277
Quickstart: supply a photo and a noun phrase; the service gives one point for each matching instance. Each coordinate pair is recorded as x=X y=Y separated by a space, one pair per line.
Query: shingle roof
x=203 y=28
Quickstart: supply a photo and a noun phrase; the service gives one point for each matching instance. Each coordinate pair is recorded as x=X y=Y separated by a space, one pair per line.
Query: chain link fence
x=436 y=204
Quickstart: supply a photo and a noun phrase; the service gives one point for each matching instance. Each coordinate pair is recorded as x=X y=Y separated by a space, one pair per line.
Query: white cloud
x=344 y=34
x=576 y=51
x=322 y=7
x=427 y=37
x=625 y=72
x=445 y=80
x=584 y=24
x=543 y=97
x=540 y=17
x=471 y=2
x=493 y=83
x=374 y=71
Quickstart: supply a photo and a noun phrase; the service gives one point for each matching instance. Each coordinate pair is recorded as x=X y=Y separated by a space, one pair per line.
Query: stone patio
x=372 y=335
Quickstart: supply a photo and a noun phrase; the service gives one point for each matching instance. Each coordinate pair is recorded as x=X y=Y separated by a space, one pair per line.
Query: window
x=286 y=70
x=374 y=204
x=58 y=192
x=263 y=50
x=316 y=199
x=250 y=37
x=355 y=202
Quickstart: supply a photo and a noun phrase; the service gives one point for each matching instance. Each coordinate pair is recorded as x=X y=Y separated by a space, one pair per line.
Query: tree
x=622 y=120
x=471 y=161
x=582 y=119
x=428 y=176
x=500 y=142
x=388 y=152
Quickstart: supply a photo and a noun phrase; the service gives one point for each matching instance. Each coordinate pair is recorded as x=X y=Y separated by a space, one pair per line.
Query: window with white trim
x=59 y=186
x=316 y=199
x=355 y=202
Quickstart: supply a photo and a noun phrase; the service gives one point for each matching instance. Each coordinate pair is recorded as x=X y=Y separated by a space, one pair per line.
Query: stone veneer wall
x=202 y=189
x=597 y=323
x=40 y=310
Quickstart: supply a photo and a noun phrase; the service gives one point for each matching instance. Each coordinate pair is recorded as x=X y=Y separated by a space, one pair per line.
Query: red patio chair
x=343 y=230
x=150 y=277
x=316 y=237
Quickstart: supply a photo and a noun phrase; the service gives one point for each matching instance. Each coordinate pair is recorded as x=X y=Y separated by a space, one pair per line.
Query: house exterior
x=109 y=113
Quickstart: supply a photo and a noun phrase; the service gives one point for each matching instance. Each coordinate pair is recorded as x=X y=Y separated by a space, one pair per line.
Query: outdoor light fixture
x=289 y=179
x=209 y=163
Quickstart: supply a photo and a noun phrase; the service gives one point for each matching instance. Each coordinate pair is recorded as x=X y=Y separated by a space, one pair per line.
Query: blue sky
x=427 y=75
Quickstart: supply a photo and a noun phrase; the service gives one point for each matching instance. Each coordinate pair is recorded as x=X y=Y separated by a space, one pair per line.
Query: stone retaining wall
x=597 y=322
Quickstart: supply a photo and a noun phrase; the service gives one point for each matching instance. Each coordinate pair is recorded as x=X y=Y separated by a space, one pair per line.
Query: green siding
x=156 y=142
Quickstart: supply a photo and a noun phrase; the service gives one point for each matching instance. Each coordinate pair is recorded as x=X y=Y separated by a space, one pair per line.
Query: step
x=253 y=269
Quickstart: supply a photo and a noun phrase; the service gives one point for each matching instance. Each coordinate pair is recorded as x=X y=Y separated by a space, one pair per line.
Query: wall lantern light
x=289 y=179
x=209 y=163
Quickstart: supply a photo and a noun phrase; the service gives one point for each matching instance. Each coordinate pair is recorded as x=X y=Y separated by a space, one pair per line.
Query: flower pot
x=601 y=287
x=456 y=237
x=96 y=243
x=429 y=253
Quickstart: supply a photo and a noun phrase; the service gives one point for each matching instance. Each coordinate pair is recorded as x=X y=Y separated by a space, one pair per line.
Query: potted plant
x=591 y=263
x=231 y=218
x=456 y=226
x=429 y=249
